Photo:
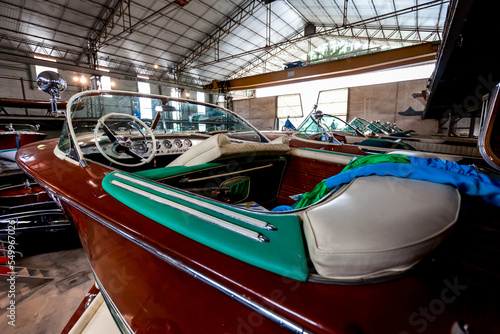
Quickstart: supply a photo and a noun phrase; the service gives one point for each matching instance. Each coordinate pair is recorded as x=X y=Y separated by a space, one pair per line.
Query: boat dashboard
x=166 y=145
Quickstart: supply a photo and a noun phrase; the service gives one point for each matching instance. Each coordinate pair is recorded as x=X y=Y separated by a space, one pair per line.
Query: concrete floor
x=47 y=307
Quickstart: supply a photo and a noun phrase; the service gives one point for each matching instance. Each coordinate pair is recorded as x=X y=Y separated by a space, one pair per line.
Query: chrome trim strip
x=179 y=265
x=228 y=174
x=203 y=216
x=24 y=214
x=289 y=325
x=481 y=141
x=72 y=134
x=115 y=313
x=200 y=203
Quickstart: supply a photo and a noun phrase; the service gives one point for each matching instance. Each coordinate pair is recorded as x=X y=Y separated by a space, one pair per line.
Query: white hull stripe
x=190 y=211
x=211 y=207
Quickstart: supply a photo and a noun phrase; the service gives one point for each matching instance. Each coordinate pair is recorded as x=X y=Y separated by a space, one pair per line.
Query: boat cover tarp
x=376 y=159
x=465 y=178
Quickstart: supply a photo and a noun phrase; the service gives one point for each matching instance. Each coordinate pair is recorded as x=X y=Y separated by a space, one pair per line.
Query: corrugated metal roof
x=202 y=40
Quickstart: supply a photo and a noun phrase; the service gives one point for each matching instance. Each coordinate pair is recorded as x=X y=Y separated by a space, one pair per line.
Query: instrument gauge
x=168 y=144
x=188 y=143
x=178 y=143
x=140 y=147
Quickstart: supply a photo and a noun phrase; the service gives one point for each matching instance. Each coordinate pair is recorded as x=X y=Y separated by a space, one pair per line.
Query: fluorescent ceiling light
x=142 y=76
x=104 y=69
x=45 y=58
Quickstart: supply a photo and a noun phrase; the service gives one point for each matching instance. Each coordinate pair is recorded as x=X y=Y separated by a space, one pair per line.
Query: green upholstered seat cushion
x=283 y=254
x=163 y=173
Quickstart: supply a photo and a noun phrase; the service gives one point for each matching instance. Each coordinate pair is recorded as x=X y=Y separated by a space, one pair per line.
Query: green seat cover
x=162 y=173
x=283 y=254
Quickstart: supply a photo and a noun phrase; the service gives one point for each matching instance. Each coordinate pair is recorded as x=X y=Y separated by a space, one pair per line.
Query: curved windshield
x=334 y=125
x=365 y=127
x=4 y=127
x=387 y=127
x=162 y=114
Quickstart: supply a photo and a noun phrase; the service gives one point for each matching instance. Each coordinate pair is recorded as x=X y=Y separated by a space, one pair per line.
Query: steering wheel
x=123 y=144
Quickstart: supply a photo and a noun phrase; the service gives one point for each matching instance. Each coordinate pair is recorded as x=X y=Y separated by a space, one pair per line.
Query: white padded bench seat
x=378 y=225
x=428 y=155
x=447 y=148
x=221 y=146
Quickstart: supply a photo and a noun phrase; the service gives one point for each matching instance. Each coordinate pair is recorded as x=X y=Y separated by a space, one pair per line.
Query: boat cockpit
x=206 y=173
x=173 y=156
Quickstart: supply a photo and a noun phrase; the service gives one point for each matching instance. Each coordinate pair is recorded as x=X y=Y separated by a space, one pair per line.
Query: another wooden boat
x=328 y=132
x=25 y=193
x=331 y=133
x=26 y=207
x=31 y=104
x=184 y=226
x=13 y=136
x=466 y=147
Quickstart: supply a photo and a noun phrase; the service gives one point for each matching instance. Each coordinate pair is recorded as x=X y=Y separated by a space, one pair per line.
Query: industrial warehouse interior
x=249 y=166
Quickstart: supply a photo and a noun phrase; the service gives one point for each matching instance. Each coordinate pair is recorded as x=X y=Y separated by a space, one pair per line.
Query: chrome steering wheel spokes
x=125 y=144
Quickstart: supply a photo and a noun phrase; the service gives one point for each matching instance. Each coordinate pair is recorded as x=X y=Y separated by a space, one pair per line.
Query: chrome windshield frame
x=487 y=127
x=75 y=153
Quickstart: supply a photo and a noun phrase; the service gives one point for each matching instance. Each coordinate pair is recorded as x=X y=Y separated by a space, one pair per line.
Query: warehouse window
x=334 y=102
x=39 y=69
x=106 y=82
x=200 y=96
x=145 y=103
x=288 y=106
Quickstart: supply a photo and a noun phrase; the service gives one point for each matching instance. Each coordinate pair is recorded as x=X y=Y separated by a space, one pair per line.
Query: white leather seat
x=220 y=145
x=378 y=225
x=428 y=155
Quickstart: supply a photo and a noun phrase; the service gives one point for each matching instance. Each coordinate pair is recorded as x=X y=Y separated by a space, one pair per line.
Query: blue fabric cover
x=282 y=208
x=289 y=124
x=464 y=178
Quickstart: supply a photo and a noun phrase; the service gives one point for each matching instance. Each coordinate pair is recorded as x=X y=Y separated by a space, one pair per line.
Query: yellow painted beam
x=347 y=66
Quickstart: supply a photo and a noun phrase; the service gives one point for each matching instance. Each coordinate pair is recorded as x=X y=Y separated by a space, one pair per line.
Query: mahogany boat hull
x=33 y=104
x=317 y=145
x=11 y=141
x=34 y=213
x=21 y=195
x=157 y=280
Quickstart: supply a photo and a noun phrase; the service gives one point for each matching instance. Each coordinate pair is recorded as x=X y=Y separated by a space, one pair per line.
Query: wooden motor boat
x=13 y=136
x=31 y=104
x=360 y=137
x=192 y=225
x=25 y=207
x=329 y=132
x=22 y=193
x=466 y=147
